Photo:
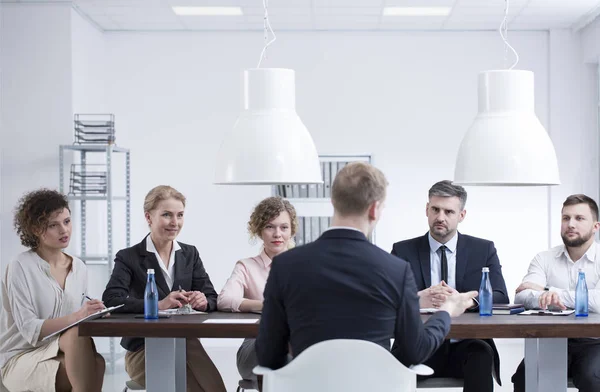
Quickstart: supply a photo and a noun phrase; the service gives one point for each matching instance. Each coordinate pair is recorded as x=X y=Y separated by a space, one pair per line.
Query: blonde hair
x=266 y=211
x=356 y=187
x=161 y=193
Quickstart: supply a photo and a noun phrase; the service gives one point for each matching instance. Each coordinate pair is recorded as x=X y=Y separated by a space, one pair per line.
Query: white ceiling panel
x=277 y=11
x=493 y=3
x=333 y=11
x=348 y=3
x=346 y=22
x=409 y=23
x=335 y=14
x=466 y=26
x=141 y=26
x=419 y=3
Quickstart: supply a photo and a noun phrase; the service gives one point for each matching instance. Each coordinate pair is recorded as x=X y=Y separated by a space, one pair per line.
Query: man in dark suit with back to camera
x=343 y=287
x=445 y=262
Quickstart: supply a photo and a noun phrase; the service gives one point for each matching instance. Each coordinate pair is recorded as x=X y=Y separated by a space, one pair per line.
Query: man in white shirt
x=552 y=279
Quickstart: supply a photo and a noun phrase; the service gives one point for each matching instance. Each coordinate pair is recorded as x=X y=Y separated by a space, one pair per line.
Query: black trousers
x=583 y=365
x=469 y=359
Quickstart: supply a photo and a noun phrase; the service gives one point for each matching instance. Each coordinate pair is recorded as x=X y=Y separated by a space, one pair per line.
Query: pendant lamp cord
x=267 y=29
x=503 y=30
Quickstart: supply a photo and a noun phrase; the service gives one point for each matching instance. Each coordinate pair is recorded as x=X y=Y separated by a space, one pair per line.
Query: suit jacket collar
x=343 y=233
x=462 y=258
x=425 y=259
x=462 y=255
x=149 y=260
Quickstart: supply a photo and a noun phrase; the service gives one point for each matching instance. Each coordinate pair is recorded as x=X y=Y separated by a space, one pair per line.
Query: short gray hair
x=447 y=189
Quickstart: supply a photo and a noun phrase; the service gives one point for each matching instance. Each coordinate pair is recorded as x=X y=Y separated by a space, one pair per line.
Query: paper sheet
x=230 y=321
x=539 y=312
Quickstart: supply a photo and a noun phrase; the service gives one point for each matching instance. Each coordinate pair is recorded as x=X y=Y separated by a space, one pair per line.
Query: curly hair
x=33 y=213
x=266 y=211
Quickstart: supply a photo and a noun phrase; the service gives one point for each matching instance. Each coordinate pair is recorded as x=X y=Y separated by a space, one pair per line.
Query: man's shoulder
x=550 y=253
x=474 y=241
x=411 y=244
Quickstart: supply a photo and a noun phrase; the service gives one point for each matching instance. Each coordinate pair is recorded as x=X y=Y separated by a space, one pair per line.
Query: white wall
x=590 y=41
x=573 y=122
x=405 y=98
x=36 y=105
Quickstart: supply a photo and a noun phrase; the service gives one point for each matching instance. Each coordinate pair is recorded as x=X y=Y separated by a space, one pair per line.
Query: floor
x=223 y=354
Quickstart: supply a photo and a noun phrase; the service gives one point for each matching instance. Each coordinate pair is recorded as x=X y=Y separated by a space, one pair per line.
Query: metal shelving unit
x=82 y=150
x=313 y=201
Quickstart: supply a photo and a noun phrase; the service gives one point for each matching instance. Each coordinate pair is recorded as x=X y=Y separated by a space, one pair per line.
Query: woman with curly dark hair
x=44 y=290
x=274 y=222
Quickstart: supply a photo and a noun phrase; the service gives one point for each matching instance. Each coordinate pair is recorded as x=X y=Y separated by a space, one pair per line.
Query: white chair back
x=343 y=365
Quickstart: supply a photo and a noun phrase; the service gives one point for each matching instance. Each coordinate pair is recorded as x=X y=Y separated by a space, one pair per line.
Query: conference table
x=545 y=341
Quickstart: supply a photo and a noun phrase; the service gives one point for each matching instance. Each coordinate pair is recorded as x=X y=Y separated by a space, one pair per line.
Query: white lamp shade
x=506 y=144
x=269 y=144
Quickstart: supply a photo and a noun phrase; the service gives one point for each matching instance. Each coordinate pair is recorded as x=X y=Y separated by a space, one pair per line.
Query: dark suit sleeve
x=201 y=282
x=414 y=341
x=274 y=332
x=496 y=278
x=117 y=288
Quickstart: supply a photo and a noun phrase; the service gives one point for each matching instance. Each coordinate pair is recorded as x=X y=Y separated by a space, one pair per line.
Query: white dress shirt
x=435 y=260
x=30 y=296
x=554 y=268
x=168 y=273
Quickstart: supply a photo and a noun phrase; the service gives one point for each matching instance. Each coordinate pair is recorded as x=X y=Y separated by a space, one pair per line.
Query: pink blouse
x=247 y=281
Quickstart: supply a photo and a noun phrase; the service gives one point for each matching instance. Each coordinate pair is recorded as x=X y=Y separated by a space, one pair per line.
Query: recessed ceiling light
x=416 y=11
x=208 y=11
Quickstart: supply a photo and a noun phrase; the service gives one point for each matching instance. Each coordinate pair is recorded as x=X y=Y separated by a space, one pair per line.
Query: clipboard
x=90 y=317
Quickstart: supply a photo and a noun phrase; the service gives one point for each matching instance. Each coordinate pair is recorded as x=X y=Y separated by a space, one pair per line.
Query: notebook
x=93 y=316
x=507 y=308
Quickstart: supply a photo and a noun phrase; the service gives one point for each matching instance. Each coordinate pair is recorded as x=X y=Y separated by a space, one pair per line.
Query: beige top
x=30 y=295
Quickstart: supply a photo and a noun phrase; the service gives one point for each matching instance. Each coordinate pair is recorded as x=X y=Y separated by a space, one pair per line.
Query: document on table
x=178 y=312
x=428 y=310
x=230 y=321
x=98 y=314
x=542 y=312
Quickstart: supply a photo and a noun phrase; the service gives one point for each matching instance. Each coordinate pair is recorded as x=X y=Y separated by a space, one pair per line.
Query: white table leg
x=165 y=365
x=546 y=365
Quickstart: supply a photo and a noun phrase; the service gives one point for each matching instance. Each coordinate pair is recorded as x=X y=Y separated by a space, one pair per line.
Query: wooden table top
x=178 y=326
x=469 y=325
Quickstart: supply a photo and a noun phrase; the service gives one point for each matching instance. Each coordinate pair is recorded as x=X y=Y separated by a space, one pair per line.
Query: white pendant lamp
x=269 y=144
x=506 y=145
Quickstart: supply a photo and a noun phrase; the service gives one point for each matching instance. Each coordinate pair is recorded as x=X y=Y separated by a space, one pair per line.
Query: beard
x=577 y=241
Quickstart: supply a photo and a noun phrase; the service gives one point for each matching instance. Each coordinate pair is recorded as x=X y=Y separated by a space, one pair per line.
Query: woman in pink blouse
x=274 y=222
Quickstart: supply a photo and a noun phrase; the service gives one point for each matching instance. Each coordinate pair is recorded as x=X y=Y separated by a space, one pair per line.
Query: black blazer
x=128 y=281
x=472 y=254
x=343 y=287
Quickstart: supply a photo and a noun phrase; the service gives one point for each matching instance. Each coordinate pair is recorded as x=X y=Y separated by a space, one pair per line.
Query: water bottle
x=486 y=296
x=151 y=297
x=581 y=296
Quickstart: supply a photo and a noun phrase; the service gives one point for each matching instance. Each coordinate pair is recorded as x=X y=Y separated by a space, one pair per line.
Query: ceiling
x=348 y=15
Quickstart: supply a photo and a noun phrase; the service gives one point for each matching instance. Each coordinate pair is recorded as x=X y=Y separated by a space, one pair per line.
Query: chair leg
x=238 y=389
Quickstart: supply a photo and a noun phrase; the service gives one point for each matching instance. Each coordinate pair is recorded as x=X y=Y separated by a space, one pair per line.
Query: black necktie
x=444 y=274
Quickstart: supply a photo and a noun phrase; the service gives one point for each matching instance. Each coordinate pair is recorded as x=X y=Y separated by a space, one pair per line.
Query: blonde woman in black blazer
x=176 y=265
